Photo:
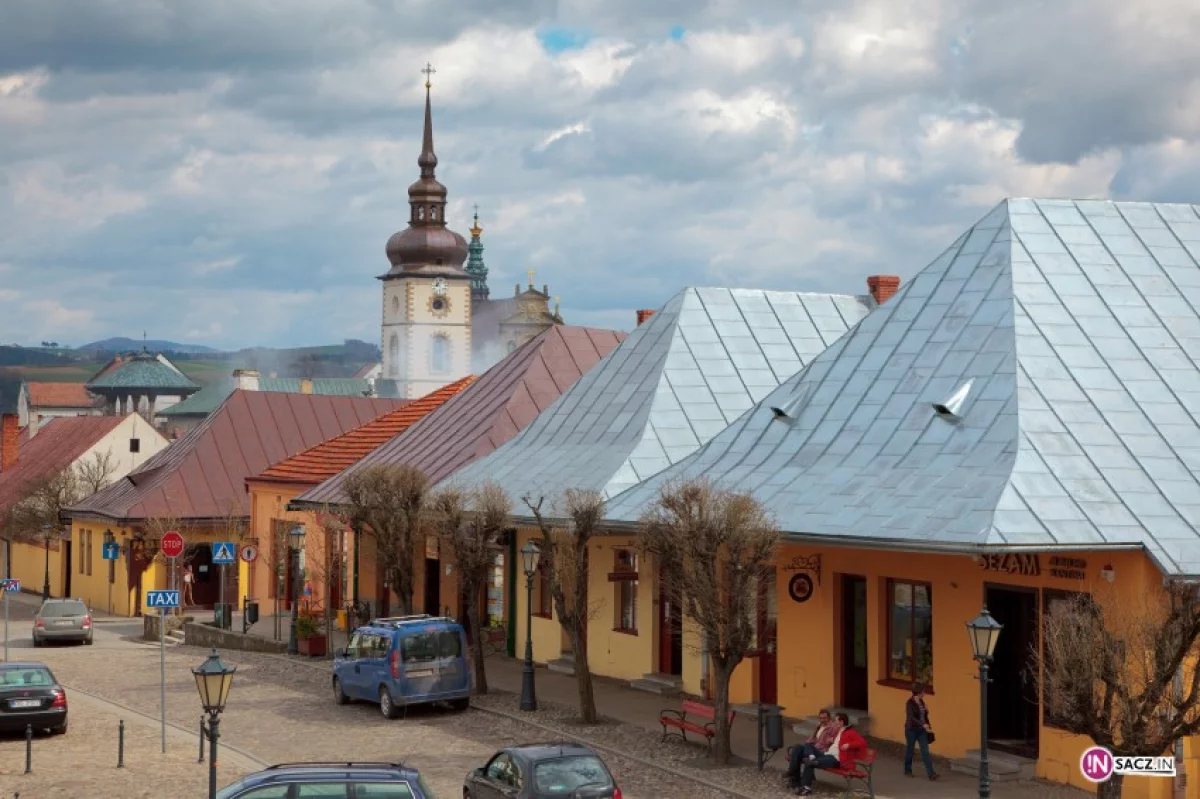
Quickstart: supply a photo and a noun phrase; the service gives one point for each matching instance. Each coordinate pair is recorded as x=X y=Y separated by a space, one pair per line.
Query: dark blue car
x=331 y=781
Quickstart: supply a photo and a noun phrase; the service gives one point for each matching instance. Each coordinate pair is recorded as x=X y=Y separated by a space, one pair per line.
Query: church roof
x=679 y=379
x=1061 y=341
x=202 y=476
x=490 y=411
x=211 y=395
x=144 y=371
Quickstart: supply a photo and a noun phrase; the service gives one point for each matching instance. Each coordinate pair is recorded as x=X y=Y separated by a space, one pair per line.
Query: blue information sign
x=110 y=551
x=224 y=552
x=12 y=586
x=162 y=599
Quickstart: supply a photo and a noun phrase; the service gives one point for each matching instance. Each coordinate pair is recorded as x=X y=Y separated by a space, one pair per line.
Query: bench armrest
x=677 y=715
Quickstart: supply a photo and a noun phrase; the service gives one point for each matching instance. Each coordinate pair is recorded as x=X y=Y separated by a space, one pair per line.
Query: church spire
x=475 y=266
x=428 y=159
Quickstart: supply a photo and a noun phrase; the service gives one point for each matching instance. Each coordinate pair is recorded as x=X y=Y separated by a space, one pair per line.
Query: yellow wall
x=29 y=566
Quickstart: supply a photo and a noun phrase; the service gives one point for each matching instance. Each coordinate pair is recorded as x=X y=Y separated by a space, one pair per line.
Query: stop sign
x=172 y=544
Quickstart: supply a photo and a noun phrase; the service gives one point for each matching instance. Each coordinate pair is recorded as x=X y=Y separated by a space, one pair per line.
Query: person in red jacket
x=848 y=746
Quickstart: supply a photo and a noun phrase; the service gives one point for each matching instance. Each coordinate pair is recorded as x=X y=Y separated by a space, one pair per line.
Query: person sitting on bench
x=816 y=744
x=847 y=747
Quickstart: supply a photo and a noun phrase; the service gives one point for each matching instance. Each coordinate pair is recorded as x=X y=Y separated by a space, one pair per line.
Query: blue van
x=404 y=660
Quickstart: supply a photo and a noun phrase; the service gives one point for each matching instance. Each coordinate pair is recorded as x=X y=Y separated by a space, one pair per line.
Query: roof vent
x=951 y=408
x=792 y=407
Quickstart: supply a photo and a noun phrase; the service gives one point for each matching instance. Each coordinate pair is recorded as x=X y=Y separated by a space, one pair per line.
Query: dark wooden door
x=1012 y=692
x=670 y=635
x=854 y=643
x=768 y=660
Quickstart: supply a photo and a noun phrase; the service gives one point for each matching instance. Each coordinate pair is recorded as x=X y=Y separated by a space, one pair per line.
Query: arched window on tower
x=395 y=305
x=439 y=354
x=394 y=356
x=433 y=212
x=420 y=213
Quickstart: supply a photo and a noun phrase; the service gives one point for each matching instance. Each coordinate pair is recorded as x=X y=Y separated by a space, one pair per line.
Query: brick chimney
x=245 y=379
x=306 y=386
x=10 y=435
x=644 y=314
x=882 y=287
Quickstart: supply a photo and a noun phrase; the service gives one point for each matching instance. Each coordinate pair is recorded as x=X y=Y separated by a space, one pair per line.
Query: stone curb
x=194 y=732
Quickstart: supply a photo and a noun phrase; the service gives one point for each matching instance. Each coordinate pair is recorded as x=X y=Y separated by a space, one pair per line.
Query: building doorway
x=768 y=637
x=64 y=546
x=670 y=634
x=854 y=642
x=1013 y=711
x=433 y=586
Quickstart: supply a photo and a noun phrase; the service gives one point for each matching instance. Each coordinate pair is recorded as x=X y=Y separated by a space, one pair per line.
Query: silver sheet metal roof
x=679 y=379
x=1077 y=325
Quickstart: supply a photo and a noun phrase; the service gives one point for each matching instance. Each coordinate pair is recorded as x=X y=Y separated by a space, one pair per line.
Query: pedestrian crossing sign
x=224 y=552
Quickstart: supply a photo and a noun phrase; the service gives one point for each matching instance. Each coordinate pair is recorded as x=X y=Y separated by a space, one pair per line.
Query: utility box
x=251 y=611
x=222 y=615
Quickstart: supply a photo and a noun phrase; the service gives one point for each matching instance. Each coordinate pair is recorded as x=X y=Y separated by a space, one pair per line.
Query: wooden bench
x=861 y=773
x=692 y=717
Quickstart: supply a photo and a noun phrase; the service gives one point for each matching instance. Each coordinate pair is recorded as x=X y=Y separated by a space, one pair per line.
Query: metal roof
x=211 y=395
x=60 y=441
x=679 y=379
x=1076 y=326
x=144 y=371
x=490 y=411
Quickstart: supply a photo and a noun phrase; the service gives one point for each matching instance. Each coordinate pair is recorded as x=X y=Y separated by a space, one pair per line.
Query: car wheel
x=88 y=640
x=459 y=705
x=386 y=706
x=59 y=730
x=339 y=696
x=36 y=642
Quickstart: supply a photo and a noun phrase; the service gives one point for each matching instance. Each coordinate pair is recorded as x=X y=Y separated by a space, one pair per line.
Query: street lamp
x=46 y=528
x=213 y=679
x=984 y=632
x=297 y=546
x=529 y=560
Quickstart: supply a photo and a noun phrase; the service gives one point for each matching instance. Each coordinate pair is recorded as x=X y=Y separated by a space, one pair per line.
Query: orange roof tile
x=328 y=458
x=59 y=395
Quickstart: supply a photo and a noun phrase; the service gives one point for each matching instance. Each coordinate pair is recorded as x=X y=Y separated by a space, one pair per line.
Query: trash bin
x=251 y=612
x=772 y=727
x=222 y=615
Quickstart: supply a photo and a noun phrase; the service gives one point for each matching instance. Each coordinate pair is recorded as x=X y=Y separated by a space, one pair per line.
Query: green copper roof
x=208 y=398
x=145 y=371
x=475 y=266
x=203 y=402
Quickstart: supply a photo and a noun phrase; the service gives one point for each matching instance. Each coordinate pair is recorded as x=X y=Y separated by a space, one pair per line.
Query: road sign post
x=110 y=551
x=10 y=587
x=223 y=553
x=164 y=601
x=172 y=546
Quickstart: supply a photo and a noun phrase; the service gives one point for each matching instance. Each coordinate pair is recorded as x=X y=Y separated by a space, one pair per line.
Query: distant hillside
x=122 y=344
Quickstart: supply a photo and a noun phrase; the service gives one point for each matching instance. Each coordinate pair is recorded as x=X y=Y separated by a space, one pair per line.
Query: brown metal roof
x=59 y=443
x=59 y=395
x=490 y=411
x=202 y=476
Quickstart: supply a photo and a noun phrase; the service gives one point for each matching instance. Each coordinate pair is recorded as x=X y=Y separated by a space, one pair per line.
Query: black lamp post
x=529 y=560
x=46 y=541
x=297 y=546
x=984 y=631
x=213 y=679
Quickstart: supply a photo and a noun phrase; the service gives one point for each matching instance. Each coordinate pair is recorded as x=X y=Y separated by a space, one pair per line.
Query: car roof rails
x=396 y=622
x=335 y=764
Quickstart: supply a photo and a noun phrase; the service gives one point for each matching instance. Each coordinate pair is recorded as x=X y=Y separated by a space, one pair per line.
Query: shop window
x=910 y=632
x=624 y=578
x=543 y=594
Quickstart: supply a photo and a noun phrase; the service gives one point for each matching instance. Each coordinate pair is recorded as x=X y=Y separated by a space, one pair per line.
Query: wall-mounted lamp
x=1108 y=574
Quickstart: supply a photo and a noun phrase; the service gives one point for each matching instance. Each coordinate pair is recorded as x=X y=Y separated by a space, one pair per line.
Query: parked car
x=331 y=781
x=62 y=620
x=543 y=771
x=30 y=696
x=402 y=661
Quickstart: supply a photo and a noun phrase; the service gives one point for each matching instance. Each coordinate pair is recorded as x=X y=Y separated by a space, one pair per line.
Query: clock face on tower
x=439 y=287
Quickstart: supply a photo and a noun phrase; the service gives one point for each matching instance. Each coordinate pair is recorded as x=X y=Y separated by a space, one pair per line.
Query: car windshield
x=25 y=675
x=52 y=610
x=566 y=774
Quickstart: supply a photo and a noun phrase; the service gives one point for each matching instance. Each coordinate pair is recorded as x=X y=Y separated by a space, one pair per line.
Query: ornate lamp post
x=529 y=561
x=984 y=631
x=46 y=528
x=297 y=546
x=213 y=679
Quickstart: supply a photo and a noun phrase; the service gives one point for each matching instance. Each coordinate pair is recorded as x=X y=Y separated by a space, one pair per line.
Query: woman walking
x=917 y=730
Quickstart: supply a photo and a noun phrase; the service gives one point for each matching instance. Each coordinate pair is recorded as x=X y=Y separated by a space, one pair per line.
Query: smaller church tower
x=475 y=266
x=426 y=332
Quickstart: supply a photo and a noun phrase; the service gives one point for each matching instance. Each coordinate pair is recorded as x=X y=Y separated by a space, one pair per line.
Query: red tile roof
x=203 y=475
x=491 y=411
x=59 y=395
x=58 y=444
x=330 y=457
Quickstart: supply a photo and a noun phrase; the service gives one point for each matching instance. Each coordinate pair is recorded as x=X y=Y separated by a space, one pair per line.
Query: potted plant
x=310 y=638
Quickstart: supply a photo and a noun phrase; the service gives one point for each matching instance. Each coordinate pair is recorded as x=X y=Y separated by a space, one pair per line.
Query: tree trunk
x=329 y=572
x=583 y=678
x=722 y=672
x=1110 y=788
x=473 y=624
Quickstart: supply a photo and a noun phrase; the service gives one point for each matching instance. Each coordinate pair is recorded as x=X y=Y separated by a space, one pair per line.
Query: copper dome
x=427 y=246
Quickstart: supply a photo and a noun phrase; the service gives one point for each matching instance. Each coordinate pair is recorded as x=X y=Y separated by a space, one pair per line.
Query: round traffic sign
x=248 y=553
x=172 y=544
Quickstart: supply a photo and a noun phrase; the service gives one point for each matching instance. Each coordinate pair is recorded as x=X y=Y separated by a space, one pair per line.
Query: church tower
x=476 y=268
x=426 y=337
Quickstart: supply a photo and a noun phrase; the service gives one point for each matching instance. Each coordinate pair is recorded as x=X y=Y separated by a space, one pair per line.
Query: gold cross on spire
x=427 y=72
x=530 y=273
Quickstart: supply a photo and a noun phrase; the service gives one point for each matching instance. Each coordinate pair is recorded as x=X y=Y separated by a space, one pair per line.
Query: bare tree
x=96 y=472
x=564 y=561
x=472 y=537
x=37 y=514
x=328 y=565
x=387 y=503
x=1123 y=672
x=715 y=549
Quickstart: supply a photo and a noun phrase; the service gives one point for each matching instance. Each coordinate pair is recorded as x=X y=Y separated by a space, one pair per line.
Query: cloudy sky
x=226 y=172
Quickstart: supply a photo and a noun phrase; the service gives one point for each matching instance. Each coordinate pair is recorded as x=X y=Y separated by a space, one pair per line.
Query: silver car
x=62 y=620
